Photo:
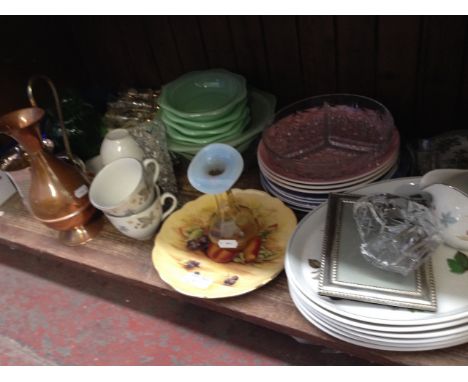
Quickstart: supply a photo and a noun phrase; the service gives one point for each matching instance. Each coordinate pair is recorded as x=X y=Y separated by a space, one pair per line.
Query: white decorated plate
x=358 y=339
x=386 y=330
x=322 y=188
x=433 y=334
x=306 y=242
x=272 y=190
x=347 y=336
x=293 y=194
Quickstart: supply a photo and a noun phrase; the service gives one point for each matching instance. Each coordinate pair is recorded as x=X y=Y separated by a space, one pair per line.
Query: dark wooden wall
x=416 y=65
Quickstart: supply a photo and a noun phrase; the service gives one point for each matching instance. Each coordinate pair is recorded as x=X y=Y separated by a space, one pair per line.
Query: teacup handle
x=168 y=195
x=147 y=162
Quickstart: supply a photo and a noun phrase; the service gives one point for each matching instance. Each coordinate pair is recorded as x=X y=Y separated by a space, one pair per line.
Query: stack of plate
x=211 y=106
x=371 y=325
x=327 y=144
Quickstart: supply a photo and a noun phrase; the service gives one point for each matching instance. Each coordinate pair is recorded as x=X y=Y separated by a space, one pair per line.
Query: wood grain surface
x=415 y=65
x=113 y=255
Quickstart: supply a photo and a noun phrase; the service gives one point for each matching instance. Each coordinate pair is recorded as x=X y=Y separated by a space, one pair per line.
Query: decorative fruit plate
x=186 y=260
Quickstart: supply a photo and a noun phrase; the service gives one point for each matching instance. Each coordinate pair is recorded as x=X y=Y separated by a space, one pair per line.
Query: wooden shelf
x=114 y=255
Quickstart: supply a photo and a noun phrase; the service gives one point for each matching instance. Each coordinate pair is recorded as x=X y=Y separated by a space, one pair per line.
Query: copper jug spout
x=23 y=126
x=58 y=196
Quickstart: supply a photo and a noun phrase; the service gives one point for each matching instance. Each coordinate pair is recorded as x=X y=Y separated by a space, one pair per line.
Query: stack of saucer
x=325 y=144
x=211 y=106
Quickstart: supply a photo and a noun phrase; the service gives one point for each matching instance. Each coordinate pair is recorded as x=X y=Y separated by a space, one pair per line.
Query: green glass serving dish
x=262 y=109
x=203 y=95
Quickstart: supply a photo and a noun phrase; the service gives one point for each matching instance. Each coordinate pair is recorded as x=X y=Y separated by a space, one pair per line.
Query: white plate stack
x=371 y=325
x=304 y=196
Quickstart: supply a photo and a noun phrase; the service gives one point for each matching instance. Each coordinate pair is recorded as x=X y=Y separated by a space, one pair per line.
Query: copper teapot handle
x=33 y=102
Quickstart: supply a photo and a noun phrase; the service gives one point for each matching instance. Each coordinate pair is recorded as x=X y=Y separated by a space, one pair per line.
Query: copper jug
x=58 y=195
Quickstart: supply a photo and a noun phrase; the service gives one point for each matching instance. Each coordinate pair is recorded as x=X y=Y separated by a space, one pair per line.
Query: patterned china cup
x=143 y=225
x=449 y=191
x=122 y=187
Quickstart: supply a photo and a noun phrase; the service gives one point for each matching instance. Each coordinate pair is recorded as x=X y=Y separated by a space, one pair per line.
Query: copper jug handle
x=33 y=102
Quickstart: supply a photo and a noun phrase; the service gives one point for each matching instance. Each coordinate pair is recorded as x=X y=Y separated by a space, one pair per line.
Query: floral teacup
x=121 y=188
x=143 y=225
x=449 y=191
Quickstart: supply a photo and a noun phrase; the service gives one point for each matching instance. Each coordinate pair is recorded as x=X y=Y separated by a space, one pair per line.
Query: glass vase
x=214 y=170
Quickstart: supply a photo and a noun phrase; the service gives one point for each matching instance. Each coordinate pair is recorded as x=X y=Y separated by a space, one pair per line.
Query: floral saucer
x=190 y=270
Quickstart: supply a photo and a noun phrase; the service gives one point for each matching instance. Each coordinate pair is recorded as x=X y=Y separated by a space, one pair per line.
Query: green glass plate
x=203 y=95
x=236 y=125
x=262 y=110
x=177 y=137
x=234 y=115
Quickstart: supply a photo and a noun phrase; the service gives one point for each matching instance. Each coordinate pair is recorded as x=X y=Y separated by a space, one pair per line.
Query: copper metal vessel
x=58 y=195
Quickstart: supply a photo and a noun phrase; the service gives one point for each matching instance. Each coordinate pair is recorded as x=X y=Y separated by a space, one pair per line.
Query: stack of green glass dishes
x=204 y=107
